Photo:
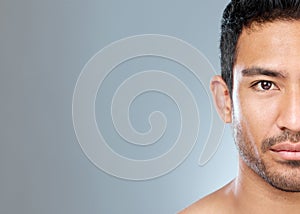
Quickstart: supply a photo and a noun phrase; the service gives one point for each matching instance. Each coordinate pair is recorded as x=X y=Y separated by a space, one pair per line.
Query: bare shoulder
x=216 y=202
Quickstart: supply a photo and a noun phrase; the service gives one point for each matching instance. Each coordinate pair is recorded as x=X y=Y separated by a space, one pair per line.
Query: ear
x=221 y=97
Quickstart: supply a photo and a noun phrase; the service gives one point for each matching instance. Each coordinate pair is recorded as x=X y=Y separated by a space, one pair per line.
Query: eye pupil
x=266 y=85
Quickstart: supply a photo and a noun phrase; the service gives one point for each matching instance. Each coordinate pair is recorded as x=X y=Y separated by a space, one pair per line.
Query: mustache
x=284 y=136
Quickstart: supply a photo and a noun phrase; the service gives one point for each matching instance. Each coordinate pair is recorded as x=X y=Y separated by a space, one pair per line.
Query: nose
x=289 y=117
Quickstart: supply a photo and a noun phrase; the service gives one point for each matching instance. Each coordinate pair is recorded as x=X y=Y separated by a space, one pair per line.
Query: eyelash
x=257 y=84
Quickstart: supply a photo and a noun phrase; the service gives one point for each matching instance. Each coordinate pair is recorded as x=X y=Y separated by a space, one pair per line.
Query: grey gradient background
x=43 y=48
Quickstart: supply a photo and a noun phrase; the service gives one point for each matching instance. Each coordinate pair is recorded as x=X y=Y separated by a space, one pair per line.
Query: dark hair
x=241 y=14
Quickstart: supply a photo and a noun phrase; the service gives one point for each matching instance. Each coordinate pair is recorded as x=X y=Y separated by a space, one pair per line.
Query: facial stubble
x=289 y=180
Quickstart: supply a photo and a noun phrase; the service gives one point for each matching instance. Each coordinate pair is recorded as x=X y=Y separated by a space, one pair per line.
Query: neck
x=255 y=194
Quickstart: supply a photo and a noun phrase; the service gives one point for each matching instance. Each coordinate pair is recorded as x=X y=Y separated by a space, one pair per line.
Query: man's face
x=266 y=102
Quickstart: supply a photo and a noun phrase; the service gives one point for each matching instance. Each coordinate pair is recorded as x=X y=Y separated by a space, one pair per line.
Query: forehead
x=275 y=44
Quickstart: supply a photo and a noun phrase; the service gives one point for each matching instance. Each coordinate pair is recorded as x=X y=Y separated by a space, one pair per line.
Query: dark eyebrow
x=262 y=71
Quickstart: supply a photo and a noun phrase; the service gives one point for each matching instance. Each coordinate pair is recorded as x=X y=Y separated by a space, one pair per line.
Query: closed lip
x=287 y=147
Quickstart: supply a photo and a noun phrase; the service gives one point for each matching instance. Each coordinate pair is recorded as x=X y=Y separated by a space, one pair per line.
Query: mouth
x=287 y=151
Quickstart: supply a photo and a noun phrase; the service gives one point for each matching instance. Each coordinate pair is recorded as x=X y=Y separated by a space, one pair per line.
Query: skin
x=264 y=105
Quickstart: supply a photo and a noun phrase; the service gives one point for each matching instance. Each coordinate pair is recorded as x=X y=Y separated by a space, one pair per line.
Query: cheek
x=256 y=116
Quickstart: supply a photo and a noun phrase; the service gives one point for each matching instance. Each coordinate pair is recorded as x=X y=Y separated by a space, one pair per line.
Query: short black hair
x=240 y=14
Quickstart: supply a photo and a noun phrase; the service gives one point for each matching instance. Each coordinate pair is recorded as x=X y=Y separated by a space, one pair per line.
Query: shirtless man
x=259 y=94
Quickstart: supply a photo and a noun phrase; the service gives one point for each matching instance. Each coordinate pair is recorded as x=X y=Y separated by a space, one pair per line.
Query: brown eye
x=266 y=85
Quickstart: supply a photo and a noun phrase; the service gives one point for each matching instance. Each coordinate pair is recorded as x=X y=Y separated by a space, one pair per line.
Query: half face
x=266 y=102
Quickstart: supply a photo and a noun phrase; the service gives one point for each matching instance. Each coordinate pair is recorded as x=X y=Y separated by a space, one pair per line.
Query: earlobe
x=221 y=98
